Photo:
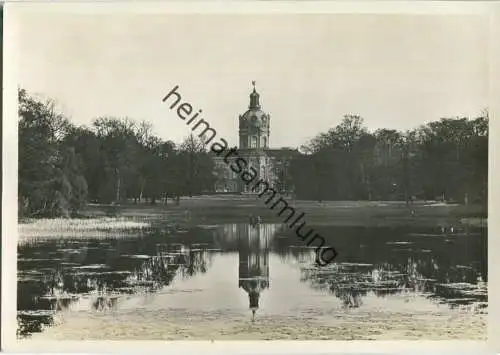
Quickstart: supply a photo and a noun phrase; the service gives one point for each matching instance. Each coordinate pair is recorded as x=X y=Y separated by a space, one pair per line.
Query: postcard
x=274 y=177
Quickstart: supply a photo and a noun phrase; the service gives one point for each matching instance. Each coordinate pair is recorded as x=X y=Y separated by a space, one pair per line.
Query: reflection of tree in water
x=102 y=303
x=351 y=298
x=342 y=283
x=198 y=262
x=53 y=275
x=40 y=295
x=160 y=270
x=294 y=254
x=447 y=266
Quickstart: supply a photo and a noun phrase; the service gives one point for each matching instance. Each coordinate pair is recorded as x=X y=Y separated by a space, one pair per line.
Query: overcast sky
x=396 y=71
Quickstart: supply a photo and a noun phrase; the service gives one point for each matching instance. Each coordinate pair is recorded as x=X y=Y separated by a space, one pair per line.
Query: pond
x=237 y=273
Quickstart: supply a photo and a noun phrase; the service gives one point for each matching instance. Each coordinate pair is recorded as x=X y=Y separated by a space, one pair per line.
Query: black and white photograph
x=251 y=176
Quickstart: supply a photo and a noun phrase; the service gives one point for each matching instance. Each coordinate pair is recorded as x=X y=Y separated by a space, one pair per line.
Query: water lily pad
x=207 y=226
x=94 y=266
x=138 y=256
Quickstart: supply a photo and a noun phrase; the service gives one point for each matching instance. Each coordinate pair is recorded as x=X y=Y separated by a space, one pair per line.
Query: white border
x=494 y=191
x=256 y=7
x=9 y=178
x=9 y=198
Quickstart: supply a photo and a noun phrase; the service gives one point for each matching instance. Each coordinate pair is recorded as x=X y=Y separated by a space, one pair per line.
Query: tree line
x=62 y=167
x=445 y=159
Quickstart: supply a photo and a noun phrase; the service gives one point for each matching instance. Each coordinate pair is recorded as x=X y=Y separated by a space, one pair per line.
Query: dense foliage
x=62 y=167
x=446 y=159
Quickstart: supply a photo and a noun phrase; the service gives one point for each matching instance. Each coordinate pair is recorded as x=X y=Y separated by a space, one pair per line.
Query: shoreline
x=199 y=211
x=242 y=206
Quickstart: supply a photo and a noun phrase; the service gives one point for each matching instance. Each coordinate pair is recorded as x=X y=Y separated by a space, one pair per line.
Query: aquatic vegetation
x=63 y=227
x=130 y=277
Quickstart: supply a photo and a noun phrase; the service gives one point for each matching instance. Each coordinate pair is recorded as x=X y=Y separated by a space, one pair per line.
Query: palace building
x=272 y=165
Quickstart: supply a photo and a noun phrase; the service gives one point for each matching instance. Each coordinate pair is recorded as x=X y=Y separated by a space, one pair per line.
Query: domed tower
x=254 y=125
x=254 y=141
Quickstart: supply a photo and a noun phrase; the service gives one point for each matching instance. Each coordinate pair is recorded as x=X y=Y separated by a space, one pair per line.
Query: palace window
x=254 y=142
x=243 y=142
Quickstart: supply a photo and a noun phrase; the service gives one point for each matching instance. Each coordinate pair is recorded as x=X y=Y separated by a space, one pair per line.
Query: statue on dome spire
x=254 y=99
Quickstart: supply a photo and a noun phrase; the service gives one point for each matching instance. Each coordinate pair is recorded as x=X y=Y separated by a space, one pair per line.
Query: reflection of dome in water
x=254 y=299
x=254 y=302
x=253 y=250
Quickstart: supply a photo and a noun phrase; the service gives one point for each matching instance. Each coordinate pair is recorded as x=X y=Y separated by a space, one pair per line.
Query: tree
x=50 y=179
x=120 y=151
x=446 y=158
x=196 y=167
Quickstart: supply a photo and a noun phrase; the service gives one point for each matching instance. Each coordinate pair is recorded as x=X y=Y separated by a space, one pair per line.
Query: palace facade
x=272 y=165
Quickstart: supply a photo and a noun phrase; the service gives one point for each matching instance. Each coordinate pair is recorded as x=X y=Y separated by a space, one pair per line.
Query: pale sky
x=396 y=71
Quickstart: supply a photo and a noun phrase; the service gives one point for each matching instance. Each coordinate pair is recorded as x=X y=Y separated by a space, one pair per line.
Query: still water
x=254 y=270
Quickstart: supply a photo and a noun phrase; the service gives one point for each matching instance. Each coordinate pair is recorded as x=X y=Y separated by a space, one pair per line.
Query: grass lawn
x=219 y=209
